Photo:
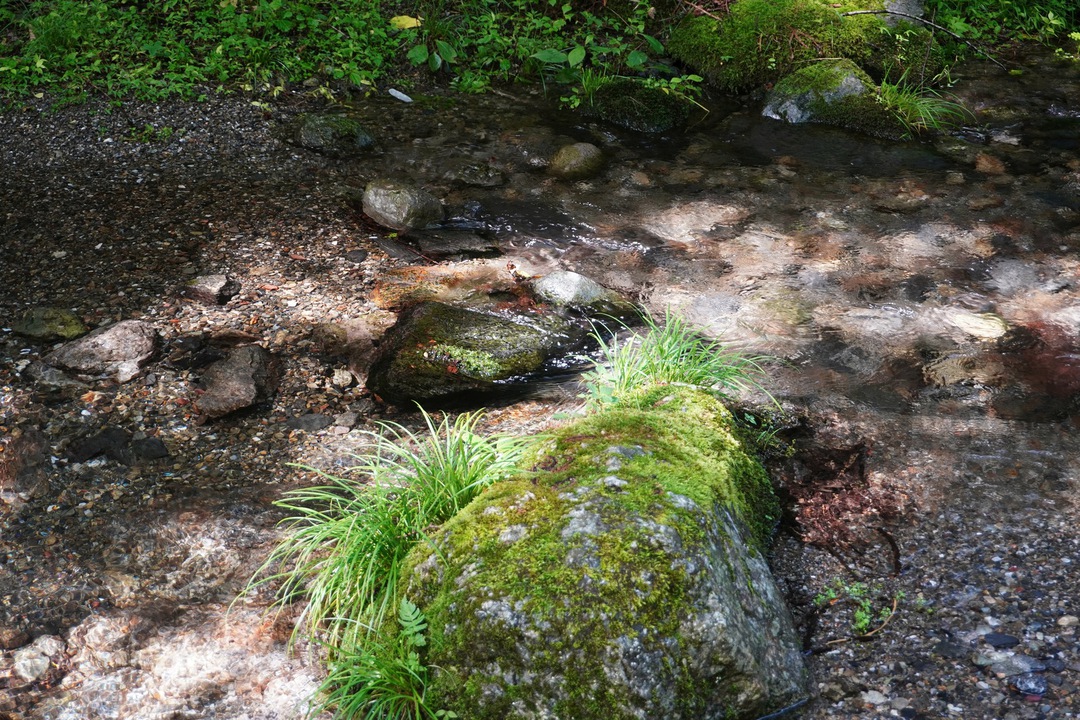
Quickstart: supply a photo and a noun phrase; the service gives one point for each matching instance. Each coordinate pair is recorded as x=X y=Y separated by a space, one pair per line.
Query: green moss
x=474 y=363
x=760 y=41
x=636 y=106
x=623 y=475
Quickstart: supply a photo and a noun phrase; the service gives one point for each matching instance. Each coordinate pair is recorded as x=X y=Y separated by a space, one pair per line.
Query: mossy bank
x=620 y=576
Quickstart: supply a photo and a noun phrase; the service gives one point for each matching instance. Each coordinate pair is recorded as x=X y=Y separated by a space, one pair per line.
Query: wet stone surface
x=925 y=297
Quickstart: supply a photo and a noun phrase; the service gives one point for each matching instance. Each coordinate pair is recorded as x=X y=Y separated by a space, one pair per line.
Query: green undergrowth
x=355 y=545
x=186 y=48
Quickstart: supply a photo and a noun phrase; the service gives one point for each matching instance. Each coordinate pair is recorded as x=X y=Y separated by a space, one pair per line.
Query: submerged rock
x=211 y=289
x=442 y=353
x=49 y=323
x=119 y=350
x=246 y=377
x=564 y=288
x=328 y=134
x=577 y=161
x=400 y=206
x=600 y=594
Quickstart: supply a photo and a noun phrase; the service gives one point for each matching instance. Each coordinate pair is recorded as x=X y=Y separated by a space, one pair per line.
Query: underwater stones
x=49 y=324
x=329 y=134
x=832 y=92
x=248 y=375
x=120 y=350
x=441 y=353
x=400 y=206
x=577 y=161
x=211 y=289
x=636 y=106
x=597 y=594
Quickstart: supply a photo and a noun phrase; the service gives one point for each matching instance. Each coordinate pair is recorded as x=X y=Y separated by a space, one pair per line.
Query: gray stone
x=33 y=662
x=52 y=379
x=311 y=422
x=49 y=324
x=119 y=350
x=246 y=377
x=577 y=161
x=564 y=288
x=400 y=206
x=211 y=289
x=912 y=8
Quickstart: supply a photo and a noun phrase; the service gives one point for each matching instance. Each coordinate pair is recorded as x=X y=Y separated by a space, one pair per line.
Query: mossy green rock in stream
x=760 y=41
x=622 y=577
x=440 y=353
x=48 y=324
x=636 y=106
x=833 y=92
x=329 y=134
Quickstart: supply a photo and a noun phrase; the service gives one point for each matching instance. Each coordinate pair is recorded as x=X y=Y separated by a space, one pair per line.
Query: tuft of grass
x=671 y=352
x=346 y=540
x=921 y=110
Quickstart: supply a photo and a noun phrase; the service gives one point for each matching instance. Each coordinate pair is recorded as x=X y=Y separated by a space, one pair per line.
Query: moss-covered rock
x=621 y=579
x=49 y=323
x=833 y=92
x=760 y=41
x=441 y=354
x=577 y=161
x=636 y=106
x=329 y=134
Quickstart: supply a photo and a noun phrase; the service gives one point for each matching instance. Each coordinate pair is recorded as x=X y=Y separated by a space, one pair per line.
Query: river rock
x=564 y=288
x=442 y=353
x=49 y=324
x=577 y=161
x=211 y=289
x=34 y=660
x=119 y=350
x=400 y=206
x=832 y=92
x=248 y=375
x=579 y=593
x=329 y=134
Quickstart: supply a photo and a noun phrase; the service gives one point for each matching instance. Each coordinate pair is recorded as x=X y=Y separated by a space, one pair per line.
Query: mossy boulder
x=833 y=92
x=444 y=354
x=622 y=577
x=49 y=323
x=761 y=41
x=329 y=134
x=636 y=106
x=577 y=161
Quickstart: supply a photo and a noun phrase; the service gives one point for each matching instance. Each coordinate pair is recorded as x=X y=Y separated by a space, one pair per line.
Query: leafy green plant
x=668 y=352
x=346 y=541
x=991 y=20
x=382 y=679
x=869 y=611
x=1075 y=55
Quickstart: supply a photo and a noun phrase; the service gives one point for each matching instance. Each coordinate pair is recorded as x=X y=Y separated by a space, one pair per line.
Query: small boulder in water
x=564 y=288
x=334 y=134
x=401 y=206
x=577 y=161
x=636 y=106
x=49 y=323
x=246 y=377
x=120 y=350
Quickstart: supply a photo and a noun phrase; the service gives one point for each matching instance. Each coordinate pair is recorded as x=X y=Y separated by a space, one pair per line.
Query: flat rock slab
x=49 y=323
x=119 y=350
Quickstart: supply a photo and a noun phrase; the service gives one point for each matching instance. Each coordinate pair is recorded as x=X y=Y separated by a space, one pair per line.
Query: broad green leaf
x=434 y=61
x=655 y=45
x=636 y=59
x=576 y=56
x=404 y=22
x=550 y=56
x=418 y=55
x=449 y=54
